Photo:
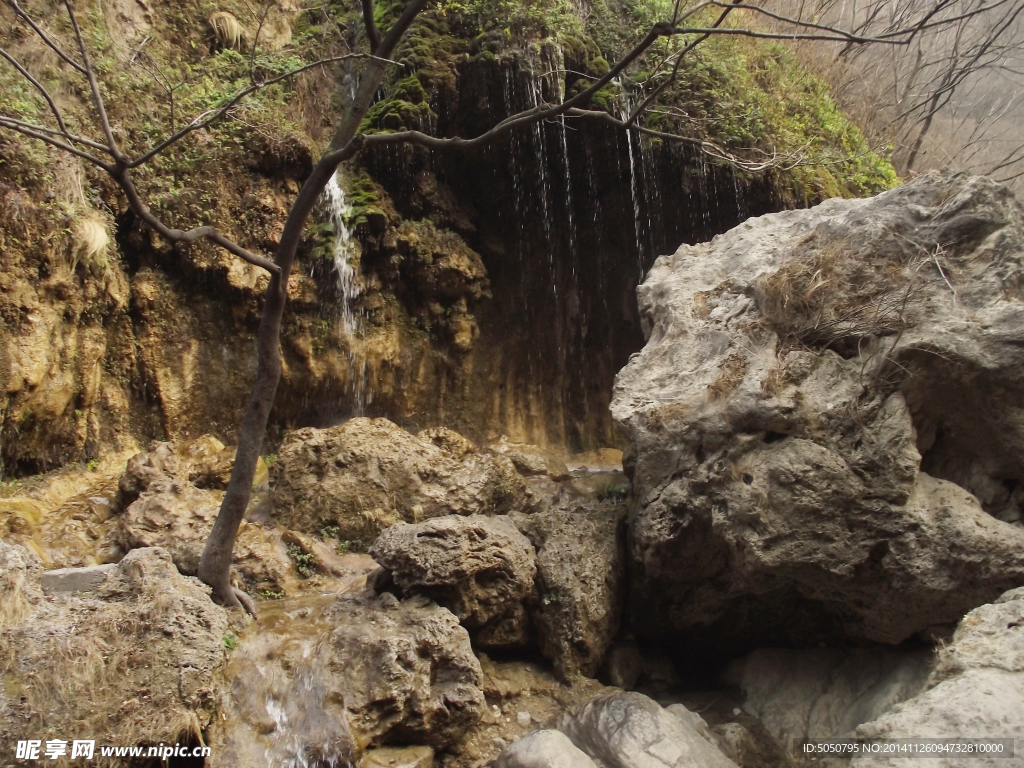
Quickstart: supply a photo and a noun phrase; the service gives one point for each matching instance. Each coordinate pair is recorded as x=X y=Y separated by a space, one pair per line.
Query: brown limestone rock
x=131 y=662
x=480 y=568
x=367 y=474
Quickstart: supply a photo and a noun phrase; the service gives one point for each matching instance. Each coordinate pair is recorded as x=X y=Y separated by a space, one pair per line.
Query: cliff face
x=492 y=291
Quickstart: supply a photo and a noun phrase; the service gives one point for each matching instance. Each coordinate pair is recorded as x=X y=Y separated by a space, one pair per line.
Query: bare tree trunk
x=215 y=563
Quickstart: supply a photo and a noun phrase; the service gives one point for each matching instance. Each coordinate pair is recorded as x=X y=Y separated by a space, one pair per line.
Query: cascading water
x=625 y=109
x=344 y=251
x=339 y=210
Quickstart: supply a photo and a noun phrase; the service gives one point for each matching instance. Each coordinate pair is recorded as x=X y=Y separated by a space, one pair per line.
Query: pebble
x=524 y=719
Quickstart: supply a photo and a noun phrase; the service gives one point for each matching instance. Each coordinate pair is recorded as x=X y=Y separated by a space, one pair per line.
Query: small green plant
x=91 y=466
x=305 y=562
x=270 y=458
x=334 y=532
x=230 y=641
x=271 y=594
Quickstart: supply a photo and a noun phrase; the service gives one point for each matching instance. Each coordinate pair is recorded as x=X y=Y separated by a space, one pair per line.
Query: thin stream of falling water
x=338 y=211
x=634 y=184
x=741 y=203
x=535 y=97
x=521 y=211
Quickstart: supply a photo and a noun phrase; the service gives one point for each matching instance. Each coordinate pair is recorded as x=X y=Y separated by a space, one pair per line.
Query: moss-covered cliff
x=495 y=288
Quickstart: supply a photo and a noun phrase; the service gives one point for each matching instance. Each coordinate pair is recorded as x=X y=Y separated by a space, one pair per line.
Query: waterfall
x=634 y=184
x=338 y=210
x=344 y=252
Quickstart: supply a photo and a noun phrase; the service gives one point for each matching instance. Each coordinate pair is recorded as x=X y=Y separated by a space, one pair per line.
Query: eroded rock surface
x=332 y=678
x=581 y=581
x=821 y=393
x=130 y=662
x=364 y=475
x=975 y=691
x=629 y=730
x=480 y=568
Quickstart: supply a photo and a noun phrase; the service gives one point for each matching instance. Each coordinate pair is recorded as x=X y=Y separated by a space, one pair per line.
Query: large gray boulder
x=975 y=691
x=825 y=693
x=480 y=568
x=366 y=474
x=827 y=420
x=629 y=730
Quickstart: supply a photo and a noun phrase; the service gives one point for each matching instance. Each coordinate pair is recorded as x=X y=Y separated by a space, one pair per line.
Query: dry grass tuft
x=90 y=241
x=832 y=299
x=123 y=666
x=730 y=374
x=228 y=31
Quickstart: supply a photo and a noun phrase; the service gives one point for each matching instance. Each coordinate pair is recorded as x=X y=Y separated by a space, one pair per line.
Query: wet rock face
x=480 y=568
x=332 y=681
x=367 y=474
x=821 y=393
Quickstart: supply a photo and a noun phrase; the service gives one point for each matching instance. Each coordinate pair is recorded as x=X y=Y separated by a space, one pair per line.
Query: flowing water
x=338 y=211
x=344 y=252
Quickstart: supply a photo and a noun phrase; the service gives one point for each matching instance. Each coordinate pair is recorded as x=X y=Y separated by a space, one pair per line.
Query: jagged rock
x=367 y=474
x=409 y=673
x=543 y=749
x=814 y=386
x=179 y=521
x=629 y=730
x=153 y=470
x=448 y=441
x=581 y=579
x=975 y=691
x=480 y=568
x=132 y=662
x=826 y=693
x=392 y=672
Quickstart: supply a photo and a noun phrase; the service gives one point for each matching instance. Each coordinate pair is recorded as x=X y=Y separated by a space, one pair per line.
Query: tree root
x=244 y=601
